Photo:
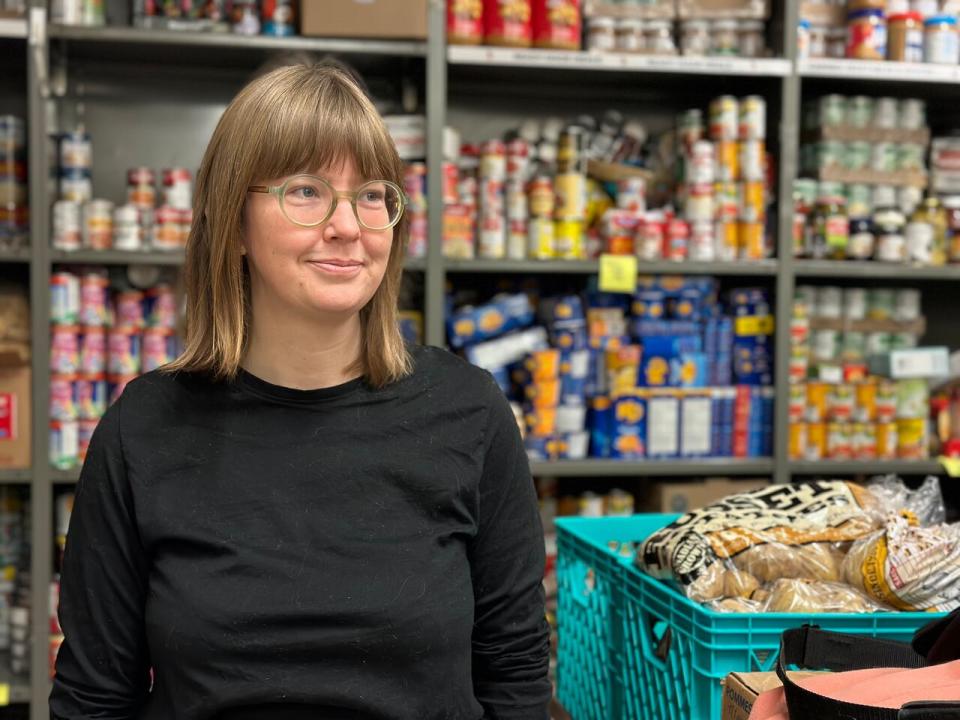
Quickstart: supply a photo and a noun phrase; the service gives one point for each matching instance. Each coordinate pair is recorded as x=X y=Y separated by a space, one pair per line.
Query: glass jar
x=658 y=37
x=837 y=43
x=905 y=37
x=888 y=227
x=805 y=47
x=695 y=37
x=951 y=205
x=831 y=232
x=724 y=38
x=926 y=234
x=751 y=40
x=861 y=244
x=601 y=36
x=628 y=36
x=804 y=201
x=867 y=35
x=941 y=44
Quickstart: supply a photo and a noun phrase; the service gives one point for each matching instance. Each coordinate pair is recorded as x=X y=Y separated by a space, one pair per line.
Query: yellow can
x=865 y=409
x=571 y=194
x=798 y=441
x=728 y=241
x=544 y=364
x=541 y=241
x=541 y=422
x=728 y=160
x=816 y=441
x=817 y=393
x=568 y=235
x=887 y=438
x=751 y=241
x=753 y=202
x=912 y=442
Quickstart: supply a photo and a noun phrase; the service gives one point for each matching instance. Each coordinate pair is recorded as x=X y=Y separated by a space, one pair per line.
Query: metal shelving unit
x=781 y=80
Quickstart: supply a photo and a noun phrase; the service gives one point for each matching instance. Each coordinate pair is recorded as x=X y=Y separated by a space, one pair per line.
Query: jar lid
x=941 y=20
x=695 y=24
x=725 y=25
x=805 y=24
x=750 y=24
x=601 y=22
x=904 y=16
x=629 y=23
x=660 y=24
x=867 y=13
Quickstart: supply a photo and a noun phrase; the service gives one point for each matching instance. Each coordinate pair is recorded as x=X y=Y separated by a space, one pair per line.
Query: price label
x=618 y=273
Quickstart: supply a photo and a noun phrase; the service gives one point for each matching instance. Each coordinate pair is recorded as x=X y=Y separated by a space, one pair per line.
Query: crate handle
x=584 y=582
x=657 y=639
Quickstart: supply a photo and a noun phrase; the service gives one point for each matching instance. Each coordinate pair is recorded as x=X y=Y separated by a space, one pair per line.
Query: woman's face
x=332 y=269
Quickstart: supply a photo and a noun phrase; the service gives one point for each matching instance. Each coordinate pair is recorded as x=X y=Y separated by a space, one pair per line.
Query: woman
x=302 y=517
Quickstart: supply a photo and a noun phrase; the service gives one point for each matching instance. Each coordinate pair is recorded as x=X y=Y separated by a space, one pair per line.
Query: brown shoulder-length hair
x=291 y=120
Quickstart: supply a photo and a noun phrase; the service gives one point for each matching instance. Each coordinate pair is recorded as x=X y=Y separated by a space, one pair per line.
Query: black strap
x=814 y=648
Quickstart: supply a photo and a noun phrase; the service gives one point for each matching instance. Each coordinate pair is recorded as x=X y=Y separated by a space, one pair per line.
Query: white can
x=907 y=306
x=628 y=35
x=98 y=225
x=601 y=34
x=919 y=242
x=855 y=303
x=516 y=200
x=493 y=237
x=127 y=232
x=517 y=239
x=753 y=118
x=829 y=303
x=884 y=196
x=886 y=113
x=66 y=225
x=632 y=194
x=702 y=167
x=909 y=199
x=752 y=157
x=702 y=242
x=76 y=187
x=699 y=205
x=884 y=157
x=941 y=44
x=913 y=114
x=541 y=240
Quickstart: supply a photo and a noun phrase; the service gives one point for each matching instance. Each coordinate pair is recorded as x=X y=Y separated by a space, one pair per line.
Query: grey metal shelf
x=867 y=70
x=116 y=257
x=652 y=468
x=18 y=686
x=63 y=477
x=591 y=267
x=15 y=477
x=16 y=255
x=870 y=269
x=13 y=28
x=217 y=40
x=867 y=467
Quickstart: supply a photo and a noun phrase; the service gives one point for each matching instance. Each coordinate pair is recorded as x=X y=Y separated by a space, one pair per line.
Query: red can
x=507 y=23
x=465 y=22
x=451 y=182
x=678 y=240
x=650 y=238
x=556 y=24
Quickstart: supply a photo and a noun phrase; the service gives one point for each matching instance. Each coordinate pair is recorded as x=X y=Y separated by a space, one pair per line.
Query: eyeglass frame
x=351 y=195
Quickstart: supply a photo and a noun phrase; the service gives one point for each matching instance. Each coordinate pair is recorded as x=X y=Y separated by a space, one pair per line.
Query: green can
x=878 y=343
x=859 y=200
x=903 y=341
x=911 y=156
x=885 y=157
x=857 y=155
x=854 y=345
x=830 y=154
x=859 y=111
x=881 y=303
x=806 y=190
x=830 y=188
x=832 y=111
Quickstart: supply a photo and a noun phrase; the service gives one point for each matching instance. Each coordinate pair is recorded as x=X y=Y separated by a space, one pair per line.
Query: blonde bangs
x=295 y=119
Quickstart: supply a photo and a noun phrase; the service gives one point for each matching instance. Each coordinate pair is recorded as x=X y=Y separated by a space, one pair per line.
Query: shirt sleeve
x=511 y=639
x=102 y=670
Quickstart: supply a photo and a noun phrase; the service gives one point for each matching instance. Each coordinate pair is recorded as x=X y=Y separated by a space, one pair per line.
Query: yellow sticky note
x=4 y=694
x=618 y=273
x=951 y=465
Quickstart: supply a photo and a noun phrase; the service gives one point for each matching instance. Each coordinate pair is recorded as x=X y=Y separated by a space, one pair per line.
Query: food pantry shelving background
x=123 y=80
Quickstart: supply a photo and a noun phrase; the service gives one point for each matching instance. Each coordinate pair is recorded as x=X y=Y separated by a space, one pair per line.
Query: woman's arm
x=103 y=667
x=511 y=639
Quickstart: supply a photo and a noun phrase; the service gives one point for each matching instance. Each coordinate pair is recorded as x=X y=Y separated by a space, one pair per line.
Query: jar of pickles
x=831 y=228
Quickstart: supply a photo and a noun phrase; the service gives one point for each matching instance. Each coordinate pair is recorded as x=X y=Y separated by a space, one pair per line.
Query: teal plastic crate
x=635 y=648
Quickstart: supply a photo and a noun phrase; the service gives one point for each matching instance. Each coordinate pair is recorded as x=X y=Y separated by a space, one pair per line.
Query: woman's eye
x=305 y=192
x=372 y=196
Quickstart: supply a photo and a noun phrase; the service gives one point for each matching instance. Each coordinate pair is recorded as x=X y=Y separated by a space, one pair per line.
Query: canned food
x=76 y=151
x=861 y=243
x=903 y=341
x=517 y=239
x=699 y=204
x=141 y=188
x=857 y=155
x=886 y=402
x=493 y=237
x=620 y=229
x=817 y=393
x=752 y=161
x=881 y=303
x=601 y=36
x=571 y=196
x=177 y=188
x=725 y=118
x=127 y=233
x=878 y=343
x=63 y=400
x=464 y=22
x=797 y=408
x=830 y=154
x=98 y=225
x=855 y=303
x=65 y=350
x=702 y=247
x=727 y=160
x=816 y=441
x=865 y=407
x=886 y=113
x=516 y=200
x=541 y=244
x=912 y=440
x=859 y=111
x=906 y=307
x=884 y=157
x=839 y=446
x=130 y=309
x=507 y=23
x=628 y=35
x=799 y=363
x=493 y=160
x=651 y=236
x=678 y=240
x=76 y=185
x=94 y=291
x=64 y=444
x=911 y=158
x=753 y=118
x=64 y=298
x=798 y=441
x=632 y=194
x=832 y=111
x=93 y=351
x=752 y=241
x=91 y=396
x=571 y=150
x=909 y=199
x=912 y=115
x=753 y=203
x=66 y=225
x=864 y=441
x=701 y=163
x=124 y=347
x=887 y=439
x=840 y=403
x=829 y=303
x=159 y=348
x=541 y=197
x=727 y=240
x=568 y=236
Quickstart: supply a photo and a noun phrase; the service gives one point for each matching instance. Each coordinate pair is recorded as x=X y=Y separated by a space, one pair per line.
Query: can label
x=816 y=441
x=517 y=239
x=64 y=444
x=753 y=118
x=91 y=396
x=556 y=24
x=752 y=161
x=93 y=351
x=728 y=160
x=798 y=441
x=64 y=298
x=493 y=237
x=650 y=238
x=124 y=345
x=569 y=239
x=887 y=438
x=541 y=242
x=798 y=403
x=817 y=402
x=838 y=442
x=94 y=289
x=159 y=348
x=65 y=350
x=63 y=401
x=753 y=202
x=724 y=118
x=864 y=441
x=465 y=22
x=840 y=403
x=506 y=22
x=571 y=196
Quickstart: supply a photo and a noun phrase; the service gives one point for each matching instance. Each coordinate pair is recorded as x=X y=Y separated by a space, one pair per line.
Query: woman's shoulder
x=434 y=366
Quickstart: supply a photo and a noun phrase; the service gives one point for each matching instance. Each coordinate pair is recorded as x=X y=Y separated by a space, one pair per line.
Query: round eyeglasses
x=308 y=201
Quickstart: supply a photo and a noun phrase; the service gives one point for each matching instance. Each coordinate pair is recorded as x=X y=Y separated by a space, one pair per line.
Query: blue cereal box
x=570 y=335
x=650 y=305
x=561 y=309
x=689 y=370
x=600 y=420
x=502 y=314
x=630 y=426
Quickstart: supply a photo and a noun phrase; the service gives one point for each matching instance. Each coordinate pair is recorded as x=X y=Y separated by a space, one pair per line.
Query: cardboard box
x=396 y=19
x=723 y=9
x=15 y=417
x=681 y=497
x=924 y=363
x=655 y=10
x=741 y=690
x=822 y=13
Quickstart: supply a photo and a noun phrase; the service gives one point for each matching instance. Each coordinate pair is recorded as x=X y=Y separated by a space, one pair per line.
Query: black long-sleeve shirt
x=279 y=553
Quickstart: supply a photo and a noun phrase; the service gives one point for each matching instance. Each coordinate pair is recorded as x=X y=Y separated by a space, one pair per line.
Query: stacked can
x=700 y=200
x=14 y=211
x=76 y=162
x=570 y=188
x=98 y=345
x=492 y=221
x=518 y=212
x=415 y=188
x=174 y=217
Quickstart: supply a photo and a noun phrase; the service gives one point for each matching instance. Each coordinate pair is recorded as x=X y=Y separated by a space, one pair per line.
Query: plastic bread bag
x=908 y=566
x=925 y=503
x=809 y=596
x=797 y=530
